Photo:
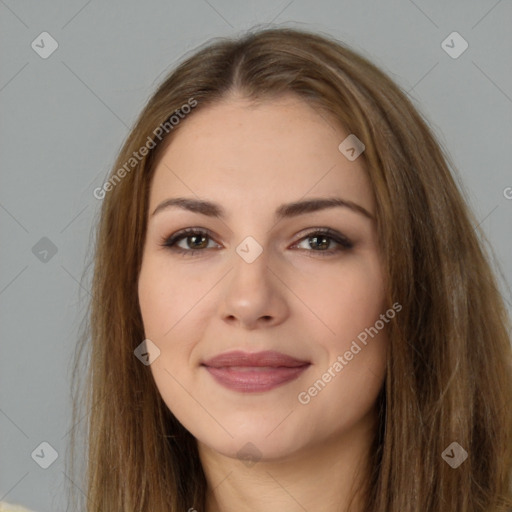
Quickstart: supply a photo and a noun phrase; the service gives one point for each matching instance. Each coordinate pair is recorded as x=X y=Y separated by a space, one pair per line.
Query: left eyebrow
x=287 y=210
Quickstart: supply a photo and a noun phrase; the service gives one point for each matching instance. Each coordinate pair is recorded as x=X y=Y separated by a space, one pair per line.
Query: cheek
x=352 y=310
x=350 y=373
x=348 y=298
x=166 y=297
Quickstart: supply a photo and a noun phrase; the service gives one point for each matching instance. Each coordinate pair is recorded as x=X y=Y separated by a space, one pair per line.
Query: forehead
x=237 y=150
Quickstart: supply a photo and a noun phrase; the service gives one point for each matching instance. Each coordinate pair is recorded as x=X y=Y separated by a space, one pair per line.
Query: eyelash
x=171 y=241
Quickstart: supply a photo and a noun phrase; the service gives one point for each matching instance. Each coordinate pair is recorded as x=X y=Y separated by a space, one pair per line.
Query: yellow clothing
x=8 y=507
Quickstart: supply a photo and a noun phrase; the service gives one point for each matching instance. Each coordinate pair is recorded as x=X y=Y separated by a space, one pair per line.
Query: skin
x=251 y=159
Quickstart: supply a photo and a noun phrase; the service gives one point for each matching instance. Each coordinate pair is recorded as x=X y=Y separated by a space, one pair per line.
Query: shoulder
x=7 y=507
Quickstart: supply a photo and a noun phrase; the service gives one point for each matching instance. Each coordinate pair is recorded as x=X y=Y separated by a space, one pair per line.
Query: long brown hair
x=449 y=371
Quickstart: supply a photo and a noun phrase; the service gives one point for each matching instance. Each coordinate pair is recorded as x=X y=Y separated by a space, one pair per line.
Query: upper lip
x=266 y=358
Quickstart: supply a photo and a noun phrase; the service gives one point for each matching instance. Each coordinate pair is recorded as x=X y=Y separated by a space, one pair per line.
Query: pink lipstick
x=257 y=372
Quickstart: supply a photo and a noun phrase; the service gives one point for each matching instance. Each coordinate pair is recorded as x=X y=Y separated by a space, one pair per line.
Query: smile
x=258 y=372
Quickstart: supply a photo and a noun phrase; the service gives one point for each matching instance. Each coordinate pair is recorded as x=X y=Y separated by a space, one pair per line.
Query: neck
x=329 y=476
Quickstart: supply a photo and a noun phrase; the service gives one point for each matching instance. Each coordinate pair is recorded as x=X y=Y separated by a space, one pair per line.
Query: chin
x=251 y=449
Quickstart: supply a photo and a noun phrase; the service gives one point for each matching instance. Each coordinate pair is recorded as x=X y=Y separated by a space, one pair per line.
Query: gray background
x=64 y=118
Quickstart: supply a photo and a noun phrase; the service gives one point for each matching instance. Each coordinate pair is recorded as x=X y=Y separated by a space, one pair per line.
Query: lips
x=268 y=358
x=257 y=372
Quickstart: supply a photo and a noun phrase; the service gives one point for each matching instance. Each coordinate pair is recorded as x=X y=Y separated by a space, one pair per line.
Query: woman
x=232 y=365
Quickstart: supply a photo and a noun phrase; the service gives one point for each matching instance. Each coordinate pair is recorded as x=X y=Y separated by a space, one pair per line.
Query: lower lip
x=254 y=379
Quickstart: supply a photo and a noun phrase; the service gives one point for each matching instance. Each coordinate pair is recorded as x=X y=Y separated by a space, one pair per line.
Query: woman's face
x=261 y=278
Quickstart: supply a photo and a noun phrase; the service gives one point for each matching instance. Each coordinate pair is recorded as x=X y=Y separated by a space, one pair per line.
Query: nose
x=254 y=296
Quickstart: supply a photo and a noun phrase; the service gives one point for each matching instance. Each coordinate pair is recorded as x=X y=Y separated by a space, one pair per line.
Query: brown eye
x=320 y=240
x=196 y=240
x=323 y=241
